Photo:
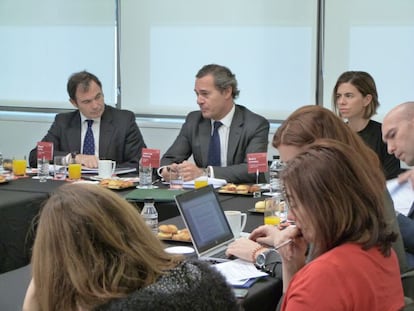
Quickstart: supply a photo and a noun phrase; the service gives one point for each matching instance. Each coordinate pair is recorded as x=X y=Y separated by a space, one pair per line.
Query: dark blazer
x=406 y=224
x=248 y=134
x=120 y=138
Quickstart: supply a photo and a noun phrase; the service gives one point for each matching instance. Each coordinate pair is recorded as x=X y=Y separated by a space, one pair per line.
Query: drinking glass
x=201 y=181
x=59 y=167
x=19 y=167
x=74 y=171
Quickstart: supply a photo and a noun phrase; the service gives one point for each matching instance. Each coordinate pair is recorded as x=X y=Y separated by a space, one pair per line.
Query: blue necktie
x=89 y=142
x=214 y=154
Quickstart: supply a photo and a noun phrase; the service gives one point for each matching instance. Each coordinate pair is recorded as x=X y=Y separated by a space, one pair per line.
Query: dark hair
x=223 y=78
x=365 y=85
x=82 y=78
x=340 y=210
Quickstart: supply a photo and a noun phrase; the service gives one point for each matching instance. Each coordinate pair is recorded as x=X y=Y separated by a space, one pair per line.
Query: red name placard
x=151 y=157
x=45 y=150
x=257 y=162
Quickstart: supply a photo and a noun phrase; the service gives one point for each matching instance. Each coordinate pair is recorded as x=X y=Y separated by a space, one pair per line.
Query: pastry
x=260 y=206
x=242 y=189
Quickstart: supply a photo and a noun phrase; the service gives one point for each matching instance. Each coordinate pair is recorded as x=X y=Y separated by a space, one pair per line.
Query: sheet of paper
x=402 y=195
x=238 y=271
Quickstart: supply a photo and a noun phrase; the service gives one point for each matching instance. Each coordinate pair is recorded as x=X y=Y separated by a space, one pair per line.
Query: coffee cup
x=237 y=221
x=106 y=168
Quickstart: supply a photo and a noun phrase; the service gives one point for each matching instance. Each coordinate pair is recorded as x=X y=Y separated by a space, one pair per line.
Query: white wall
x=19 y=132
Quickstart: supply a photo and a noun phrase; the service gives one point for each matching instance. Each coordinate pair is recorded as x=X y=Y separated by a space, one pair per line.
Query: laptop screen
x=204 y=218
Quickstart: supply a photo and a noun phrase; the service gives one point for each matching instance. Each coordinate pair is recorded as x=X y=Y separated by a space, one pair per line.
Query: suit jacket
x=248 y=134
x=406 y=224
x=120 y=138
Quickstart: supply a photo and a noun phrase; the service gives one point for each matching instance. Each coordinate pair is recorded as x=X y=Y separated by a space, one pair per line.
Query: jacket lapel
x=234 y=135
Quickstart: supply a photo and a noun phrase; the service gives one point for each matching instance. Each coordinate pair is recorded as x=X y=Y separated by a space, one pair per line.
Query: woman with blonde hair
x=93 y=251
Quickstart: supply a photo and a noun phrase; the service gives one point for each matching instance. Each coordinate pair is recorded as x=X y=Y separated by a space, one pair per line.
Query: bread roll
x=243 y=189
x=260 y=205
x=254 y=188
x=163 y=235
x=171 y=229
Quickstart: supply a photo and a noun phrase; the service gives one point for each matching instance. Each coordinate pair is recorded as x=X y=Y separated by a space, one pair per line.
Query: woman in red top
x=336 y=201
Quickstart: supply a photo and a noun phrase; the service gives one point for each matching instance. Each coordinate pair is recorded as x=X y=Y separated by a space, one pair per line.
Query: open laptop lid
x=205 y=219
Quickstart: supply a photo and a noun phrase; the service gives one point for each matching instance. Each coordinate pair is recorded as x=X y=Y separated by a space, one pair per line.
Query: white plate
x=179 y=250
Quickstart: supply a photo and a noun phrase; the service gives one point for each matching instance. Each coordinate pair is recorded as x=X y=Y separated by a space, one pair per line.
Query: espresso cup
x=237 y=221
x=106 y=168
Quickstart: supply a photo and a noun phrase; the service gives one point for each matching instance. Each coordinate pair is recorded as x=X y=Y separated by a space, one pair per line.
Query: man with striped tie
x=94 y=130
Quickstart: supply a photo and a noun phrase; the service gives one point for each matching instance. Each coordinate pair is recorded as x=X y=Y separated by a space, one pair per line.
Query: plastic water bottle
x=145 y=173
x=275 y=169
x=150 y=214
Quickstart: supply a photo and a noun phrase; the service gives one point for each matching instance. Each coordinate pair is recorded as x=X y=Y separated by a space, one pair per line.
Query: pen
x=283 y=244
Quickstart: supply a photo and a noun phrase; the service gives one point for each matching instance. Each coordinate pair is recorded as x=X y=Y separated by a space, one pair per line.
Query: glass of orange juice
x=19 y=167
x=74 y=171
x=201 y=181
x=272 y=212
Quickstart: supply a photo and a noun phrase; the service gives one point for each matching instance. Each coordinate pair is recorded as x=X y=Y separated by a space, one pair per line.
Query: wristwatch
x=268 y=257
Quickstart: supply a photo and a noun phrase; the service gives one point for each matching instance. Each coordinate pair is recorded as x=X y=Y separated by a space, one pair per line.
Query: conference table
x=21 y=201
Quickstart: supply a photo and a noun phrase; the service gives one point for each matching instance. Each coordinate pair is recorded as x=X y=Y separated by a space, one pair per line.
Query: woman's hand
x=293 y=253
x=265 y=234
x=245 y=249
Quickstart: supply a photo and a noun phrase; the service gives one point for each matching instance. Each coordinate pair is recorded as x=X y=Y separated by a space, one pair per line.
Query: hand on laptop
x=245 y=249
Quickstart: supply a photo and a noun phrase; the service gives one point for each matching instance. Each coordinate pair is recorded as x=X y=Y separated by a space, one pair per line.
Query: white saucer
x=179 y=250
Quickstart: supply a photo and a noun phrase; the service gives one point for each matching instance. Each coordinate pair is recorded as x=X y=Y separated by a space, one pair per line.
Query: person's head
x=92 y=246
x=398 y=132
x=308 y=123
x=216 y=88
x=85 y=93
x=355 y=95
x=335 y=198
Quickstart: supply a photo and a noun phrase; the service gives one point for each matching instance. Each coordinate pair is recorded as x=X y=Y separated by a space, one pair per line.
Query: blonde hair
x=92 y=246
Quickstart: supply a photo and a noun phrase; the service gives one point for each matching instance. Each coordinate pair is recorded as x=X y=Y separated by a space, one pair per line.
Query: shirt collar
x=227 y=118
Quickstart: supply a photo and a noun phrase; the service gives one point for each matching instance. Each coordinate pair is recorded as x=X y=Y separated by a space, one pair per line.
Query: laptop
x=207 y=223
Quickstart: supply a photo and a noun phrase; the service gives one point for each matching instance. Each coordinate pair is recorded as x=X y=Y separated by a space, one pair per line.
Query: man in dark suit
x=112 y=133
x=398 y=133
x=240 y=132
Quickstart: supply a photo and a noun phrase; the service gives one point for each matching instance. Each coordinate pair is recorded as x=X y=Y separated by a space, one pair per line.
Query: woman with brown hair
x=337 y=204
x=301 y=128
x=93 y=251
x=355 y=99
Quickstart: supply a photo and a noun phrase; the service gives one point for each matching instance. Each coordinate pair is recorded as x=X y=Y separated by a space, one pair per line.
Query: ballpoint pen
x=283 y=244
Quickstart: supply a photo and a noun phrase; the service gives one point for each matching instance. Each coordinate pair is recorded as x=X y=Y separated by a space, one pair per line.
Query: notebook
x=206 y=221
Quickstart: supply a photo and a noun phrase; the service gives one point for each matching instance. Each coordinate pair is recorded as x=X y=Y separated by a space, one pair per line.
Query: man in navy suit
x=241 y=131
x=116 y=135
x=398 y=133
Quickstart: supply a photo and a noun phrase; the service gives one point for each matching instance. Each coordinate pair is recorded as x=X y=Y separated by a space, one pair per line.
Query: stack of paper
x=239 y=273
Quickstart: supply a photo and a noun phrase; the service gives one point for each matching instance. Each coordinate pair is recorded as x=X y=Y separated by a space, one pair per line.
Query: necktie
x=214 y=155
x=89 y=142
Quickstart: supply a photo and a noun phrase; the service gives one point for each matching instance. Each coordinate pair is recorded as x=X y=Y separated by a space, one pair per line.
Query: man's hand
x=189 y=171
x=90 y=161
x=406 y=176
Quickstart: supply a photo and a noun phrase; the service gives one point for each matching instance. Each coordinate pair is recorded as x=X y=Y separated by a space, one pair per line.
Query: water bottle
x=150 y=214
x=145 y=173
x=275 y=169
